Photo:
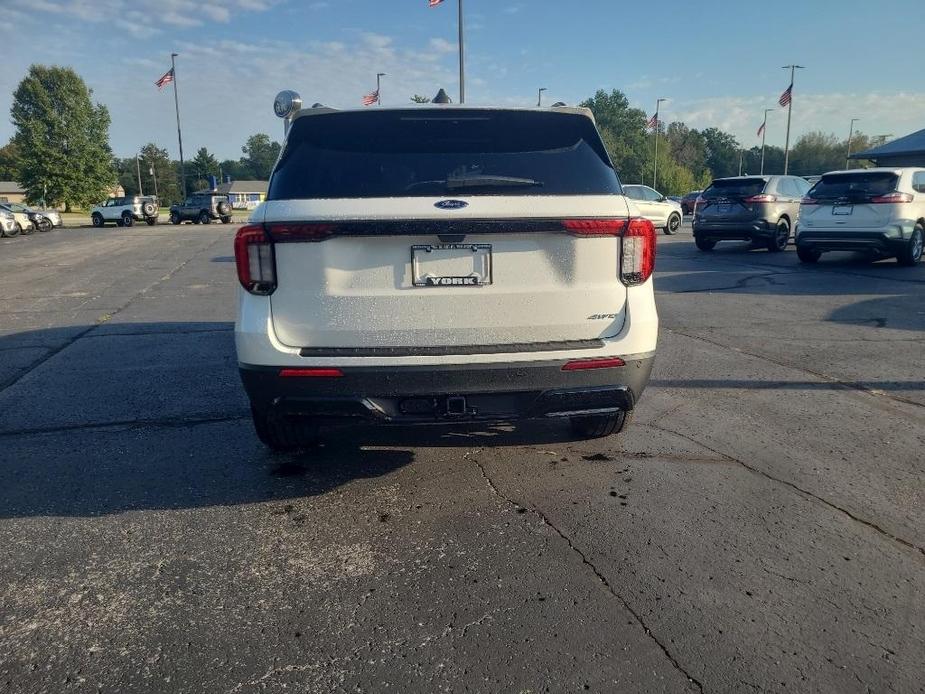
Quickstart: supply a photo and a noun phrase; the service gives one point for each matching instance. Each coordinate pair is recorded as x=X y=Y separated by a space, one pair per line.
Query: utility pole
x=764 y=134
x=176 y=102
x=850 y=135
x=658 y=103
x=462 y=58
x=138 y=169
x=154 y=178
x=539 y=96
x=789 y=104
x=741 y=155
x=379 y=76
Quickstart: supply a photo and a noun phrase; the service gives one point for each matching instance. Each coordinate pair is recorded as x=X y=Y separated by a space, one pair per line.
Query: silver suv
x=878 y=211
x=761 y=209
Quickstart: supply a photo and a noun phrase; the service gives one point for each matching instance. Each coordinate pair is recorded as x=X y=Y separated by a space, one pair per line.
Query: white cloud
x=442 y=45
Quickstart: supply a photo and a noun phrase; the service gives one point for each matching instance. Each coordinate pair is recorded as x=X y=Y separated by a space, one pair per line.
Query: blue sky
x=719 y=62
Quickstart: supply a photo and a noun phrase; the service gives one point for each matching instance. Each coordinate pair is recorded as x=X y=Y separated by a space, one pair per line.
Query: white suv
x=665 y=213
x=125 y=211
x=880 y=211
x=443 y=264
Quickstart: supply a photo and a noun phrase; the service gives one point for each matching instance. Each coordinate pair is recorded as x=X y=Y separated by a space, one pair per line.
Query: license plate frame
x=479 y=276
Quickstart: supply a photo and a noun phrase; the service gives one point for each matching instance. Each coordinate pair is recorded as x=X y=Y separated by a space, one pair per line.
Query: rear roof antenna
x=442 y=98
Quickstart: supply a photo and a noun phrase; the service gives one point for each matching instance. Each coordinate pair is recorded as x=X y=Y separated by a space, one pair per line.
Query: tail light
x=761 y=197
x=809 y=201
x=891 y=198
x=595 y=227
x=253 y=255
x=638 y=257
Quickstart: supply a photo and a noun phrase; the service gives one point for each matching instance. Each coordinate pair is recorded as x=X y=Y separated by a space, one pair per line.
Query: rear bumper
x=453 y=393
x=886 y=241
x=741 y=230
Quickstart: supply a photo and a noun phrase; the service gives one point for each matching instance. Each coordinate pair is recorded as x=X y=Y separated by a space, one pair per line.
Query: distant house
x=906 y=151
x=244 y=195
x=10 y=191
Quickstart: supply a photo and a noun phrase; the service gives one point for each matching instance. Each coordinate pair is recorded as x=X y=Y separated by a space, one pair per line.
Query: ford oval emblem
x=451 y=204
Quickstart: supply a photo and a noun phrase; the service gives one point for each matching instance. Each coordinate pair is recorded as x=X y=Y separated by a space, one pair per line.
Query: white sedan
x=665 y=214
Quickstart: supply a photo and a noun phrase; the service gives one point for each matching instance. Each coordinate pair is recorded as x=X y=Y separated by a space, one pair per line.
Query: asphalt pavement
x=759 y=527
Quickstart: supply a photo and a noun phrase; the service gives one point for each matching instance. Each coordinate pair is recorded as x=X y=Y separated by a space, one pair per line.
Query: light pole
x=154 y=178
x=539 y=96
x=786 y=99
x=462 y=57
x=764 y=134
x=138 y=169
x=658 y=103
x=379 y=76
x=850 y=135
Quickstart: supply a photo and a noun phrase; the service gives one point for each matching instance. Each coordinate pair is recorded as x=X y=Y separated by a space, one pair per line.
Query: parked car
x=8 y=225
x=878 y=211
x=125 y=211
x=43 y=220
x=760 y=209
x=444 y=265
x=664 y=213
x=689 y=202
x=202 y=208
x=22 y=224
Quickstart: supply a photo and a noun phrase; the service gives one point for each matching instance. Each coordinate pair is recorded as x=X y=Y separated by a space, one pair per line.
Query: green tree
x=623 y=130
x=9 y=162
x=236 y=169
x=260 y=155
x=63 y=138
x=418 y=99
x=204 y=164
x=164 y=179
x=127 y=175
x=722 y=152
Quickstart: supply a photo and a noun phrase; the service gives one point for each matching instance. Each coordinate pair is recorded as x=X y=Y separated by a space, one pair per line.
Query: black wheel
x=281 y=433
x=226 y=219
x=14 y=231
x=174 y=217
x=911 y=253
x=151 y=221
x=204 y=218
x=127 y=219
x=778 y=242
x=808 y=255
x=704 y=244
x=674 y=223
x=599 y=425
x=97 y=219
x=43 y=224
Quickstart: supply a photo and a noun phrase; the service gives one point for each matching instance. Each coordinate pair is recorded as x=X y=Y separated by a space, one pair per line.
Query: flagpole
x=462 y=57
x=658 y=103
x=378 y=90
x=793 y=69
x=764 y=135
x=176 y=102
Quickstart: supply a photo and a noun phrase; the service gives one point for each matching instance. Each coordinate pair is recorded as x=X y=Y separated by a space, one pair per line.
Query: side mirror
x=662 y=199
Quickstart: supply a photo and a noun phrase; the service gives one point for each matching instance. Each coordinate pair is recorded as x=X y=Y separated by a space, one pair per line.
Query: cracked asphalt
x=759 y=527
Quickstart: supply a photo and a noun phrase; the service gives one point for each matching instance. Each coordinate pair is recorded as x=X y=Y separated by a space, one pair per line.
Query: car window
x=734 y=188
x=651 y=194
x=787 y=187
x=854 y=185
x=633 y=192
x=918 y=181
x=405 y=153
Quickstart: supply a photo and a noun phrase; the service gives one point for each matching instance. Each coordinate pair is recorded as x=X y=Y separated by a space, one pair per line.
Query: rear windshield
x=851 y=186
x=735 y=188
x=416 y=153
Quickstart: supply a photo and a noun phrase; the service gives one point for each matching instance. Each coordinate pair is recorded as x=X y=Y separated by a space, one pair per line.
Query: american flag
x=165 y=79
x=433 y=3
x=786 y=97
x=653 y=122
x=371 y=98
x=761 y=130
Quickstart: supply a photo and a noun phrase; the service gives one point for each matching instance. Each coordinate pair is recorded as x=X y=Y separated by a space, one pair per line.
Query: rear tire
x=911 y=253
x=151 y=221
x=674 y=223
x=781 y=238
x=598 y=426
x=808 y=255
x=174 y=217
x=127 y=219
x=226 y=219
x=97 y=219
x=44 y=224
x=204 y=218
x=704 y=244
x=14 y=231
x=282 y=434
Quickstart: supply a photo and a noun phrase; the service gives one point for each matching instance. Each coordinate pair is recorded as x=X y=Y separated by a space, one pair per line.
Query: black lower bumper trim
x=473 y=392
x=855 y=241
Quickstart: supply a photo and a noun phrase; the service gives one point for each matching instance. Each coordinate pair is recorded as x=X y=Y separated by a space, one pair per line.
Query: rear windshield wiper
x=480 y=181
